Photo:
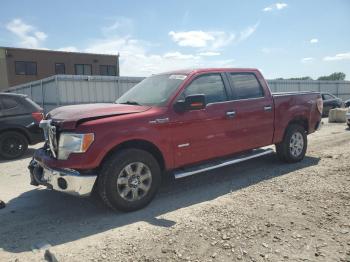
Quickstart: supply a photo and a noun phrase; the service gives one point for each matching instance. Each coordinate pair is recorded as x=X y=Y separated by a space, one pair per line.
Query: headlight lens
x=73 y=143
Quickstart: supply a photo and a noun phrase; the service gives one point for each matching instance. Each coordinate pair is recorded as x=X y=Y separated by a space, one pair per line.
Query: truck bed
x=301 y=106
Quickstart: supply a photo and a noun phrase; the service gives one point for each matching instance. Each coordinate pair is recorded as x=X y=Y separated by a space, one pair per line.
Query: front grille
x=50 y=133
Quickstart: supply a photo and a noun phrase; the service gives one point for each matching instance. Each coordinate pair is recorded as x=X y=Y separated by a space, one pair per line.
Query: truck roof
x=208 y=70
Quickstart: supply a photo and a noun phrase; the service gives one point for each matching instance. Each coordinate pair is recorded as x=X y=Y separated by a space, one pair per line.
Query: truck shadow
x=43 y=216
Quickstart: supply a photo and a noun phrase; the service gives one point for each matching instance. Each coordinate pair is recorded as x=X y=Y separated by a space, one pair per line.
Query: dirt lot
x=261 y=210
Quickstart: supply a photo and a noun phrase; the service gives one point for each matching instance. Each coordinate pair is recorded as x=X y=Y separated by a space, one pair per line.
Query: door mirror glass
x=192 y=102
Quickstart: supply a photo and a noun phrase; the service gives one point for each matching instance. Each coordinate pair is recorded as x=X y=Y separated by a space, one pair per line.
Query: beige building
x=20 y=65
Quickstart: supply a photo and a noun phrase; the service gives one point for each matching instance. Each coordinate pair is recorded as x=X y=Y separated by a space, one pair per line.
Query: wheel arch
x=140 y=144
x=298 y=120
x=18 y=130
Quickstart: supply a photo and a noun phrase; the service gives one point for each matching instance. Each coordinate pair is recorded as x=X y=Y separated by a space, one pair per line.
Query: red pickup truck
x=182 y=122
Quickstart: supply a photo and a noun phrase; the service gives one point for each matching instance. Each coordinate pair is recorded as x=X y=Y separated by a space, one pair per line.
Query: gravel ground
x=260 y=210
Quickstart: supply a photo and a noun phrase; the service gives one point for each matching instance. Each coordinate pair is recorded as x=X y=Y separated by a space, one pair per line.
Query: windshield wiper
x=129 y=102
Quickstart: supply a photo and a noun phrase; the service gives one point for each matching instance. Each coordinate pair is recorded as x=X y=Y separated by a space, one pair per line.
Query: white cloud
x=118 y=25
x=28 y=35
x=338 y=57
x=314 y=41
x=178 y=55
x=210 y=40
x=307 y=59
x=276 y=6
x=280 y=6
x=136 y=60
x=68 y=49
x=192 y=38
x=246 y=33
x=135 y=57
x=209 y=53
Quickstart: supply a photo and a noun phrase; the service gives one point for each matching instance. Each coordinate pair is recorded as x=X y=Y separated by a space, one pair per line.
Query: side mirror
x=192 y=102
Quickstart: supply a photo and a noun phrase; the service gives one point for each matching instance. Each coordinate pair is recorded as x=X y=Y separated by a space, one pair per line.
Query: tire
x=293 y=147
x=129 y=180
x=12 y=145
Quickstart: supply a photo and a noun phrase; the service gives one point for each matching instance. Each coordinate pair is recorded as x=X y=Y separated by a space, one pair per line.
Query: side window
x=107 y=70
x=60 y=69
x=8 y=103
x=328 y=97
x=25 y=68
x=246 y=86
x=83 y=69
x=211 y=86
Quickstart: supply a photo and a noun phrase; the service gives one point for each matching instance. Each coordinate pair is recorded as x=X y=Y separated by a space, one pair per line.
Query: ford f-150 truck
x=180 y=123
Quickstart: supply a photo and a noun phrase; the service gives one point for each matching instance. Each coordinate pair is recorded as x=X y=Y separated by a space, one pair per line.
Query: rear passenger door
x=254 y=112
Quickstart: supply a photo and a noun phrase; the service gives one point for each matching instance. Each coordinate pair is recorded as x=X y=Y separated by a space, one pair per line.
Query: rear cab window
x=246 y=86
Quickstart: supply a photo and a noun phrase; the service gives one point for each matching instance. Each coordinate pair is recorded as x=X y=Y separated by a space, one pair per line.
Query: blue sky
x=281 y=38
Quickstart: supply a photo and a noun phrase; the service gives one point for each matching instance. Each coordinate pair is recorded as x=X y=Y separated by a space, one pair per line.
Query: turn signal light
x=87 y=141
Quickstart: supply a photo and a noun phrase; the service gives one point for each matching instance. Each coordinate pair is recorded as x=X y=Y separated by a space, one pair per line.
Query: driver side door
x=200 y=135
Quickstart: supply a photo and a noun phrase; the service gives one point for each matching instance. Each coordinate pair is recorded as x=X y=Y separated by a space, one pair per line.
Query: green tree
x=334 y=76
x=295 y=78
x=301 y=78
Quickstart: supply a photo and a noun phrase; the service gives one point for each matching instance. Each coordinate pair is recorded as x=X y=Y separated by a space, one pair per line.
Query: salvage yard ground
x=260 y=210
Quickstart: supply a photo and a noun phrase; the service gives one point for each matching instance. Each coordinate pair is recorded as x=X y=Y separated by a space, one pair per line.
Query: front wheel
x=293 y=147
x=129 y=179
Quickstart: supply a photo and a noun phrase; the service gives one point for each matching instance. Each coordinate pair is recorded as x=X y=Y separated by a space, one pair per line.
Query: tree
x=301 y=78
x=334 y=76
x=295 y=78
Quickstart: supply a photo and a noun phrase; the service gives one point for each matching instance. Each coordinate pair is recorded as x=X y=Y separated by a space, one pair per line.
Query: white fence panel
x=70 y=89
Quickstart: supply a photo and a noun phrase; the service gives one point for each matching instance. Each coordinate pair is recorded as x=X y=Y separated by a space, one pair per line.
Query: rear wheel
x=129 y=180
x=293 y=147
x=12 y=145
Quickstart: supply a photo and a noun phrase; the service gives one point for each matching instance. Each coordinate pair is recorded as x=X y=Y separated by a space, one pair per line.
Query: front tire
x=12 y=145
x=293 y=147
x=129 y=180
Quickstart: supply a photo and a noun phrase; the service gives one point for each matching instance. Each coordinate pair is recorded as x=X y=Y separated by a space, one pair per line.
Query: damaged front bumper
x=64 y=180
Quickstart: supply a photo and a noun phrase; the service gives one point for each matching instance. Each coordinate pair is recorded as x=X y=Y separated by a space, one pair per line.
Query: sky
x=281 y=38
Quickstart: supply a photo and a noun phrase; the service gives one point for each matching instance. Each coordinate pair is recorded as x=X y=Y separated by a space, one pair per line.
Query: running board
x=221 y=163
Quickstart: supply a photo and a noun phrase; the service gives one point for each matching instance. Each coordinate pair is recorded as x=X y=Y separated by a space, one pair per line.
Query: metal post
x=42 y=94
x=57 y=92
x=337 y=84
x=319 y=86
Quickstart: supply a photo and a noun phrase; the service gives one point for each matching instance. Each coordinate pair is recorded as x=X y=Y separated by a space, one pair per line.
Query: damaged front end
x=60 y=179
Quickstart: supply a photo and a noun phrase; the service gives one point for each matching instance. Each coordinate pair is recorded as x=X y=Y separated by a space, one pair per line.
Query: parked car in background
x=330 y=102
x=180 y=123
x=347 y=103
x=19 y=124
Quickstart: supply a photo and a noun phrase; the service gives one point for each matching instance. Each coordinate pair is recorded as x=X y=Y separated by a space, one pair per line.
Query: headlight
x=73 y=143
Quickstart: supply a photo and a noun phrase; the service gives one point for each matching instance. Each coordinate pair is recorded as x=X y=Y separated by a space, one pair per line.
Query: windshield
x=153 y=91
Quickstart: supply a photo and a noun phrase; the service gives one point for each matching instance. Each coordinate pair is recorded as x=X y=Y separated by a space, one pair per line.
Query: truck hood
x=69 y=117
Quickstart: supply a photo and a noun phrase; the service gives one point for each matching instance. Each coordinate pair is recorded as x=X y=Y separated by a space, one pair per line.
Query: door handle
x=230 y=114
x=267 y=108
